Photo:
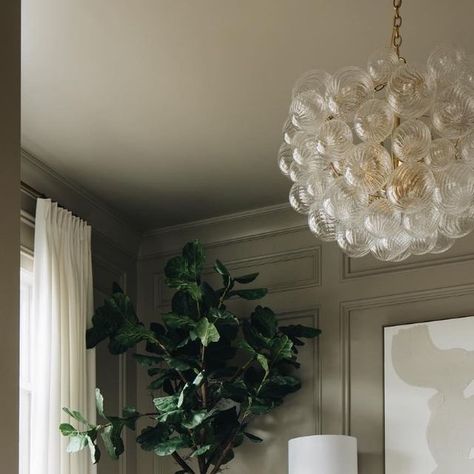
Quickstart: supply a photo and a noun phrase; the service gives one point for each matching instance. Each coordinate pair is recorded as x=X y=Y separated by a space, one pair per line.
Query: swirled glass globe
x=382 y=159
x=367 y=167
x=410 y=91
x=411 y=187
x=411 y=141
x=381 y=65
x=374 y=121
x=348 y=89
x=334 y=139
x=442 y=153
x=453 y=112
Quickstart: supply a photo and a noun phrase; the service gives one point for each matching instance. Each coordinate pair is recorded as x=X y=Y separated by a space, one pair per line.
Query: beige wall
x=350 y=300
x=9 y=229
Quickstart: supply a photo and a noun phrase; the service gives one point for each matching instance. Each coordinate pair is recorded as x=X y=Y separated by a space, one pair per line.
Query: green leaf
x=166 y=404
x=76 y=415
x=77 y=443
x=263 y=361
x=67 y=429
x=236 y=390
x=254 y=294
x=193 y=252
x=220 y=268
x=206 y=332
x=297 y=330
x=281 y=348
x=148 y=361
x=93 y=449
x=150 y=437
x=196 y=418
x=253 y=438
x=99 y=401
x=178 y=321
x=279 y=386
x=198 y=379
x=202 y=450
x=244 y=279
x=170 y=446
x=264 y=320
x=177 y=270
x=112 y=437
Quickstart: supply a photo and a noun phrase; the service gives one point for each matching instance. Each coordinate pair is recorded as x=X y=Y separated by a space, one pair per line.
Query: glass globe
x=348 y=89
x=410 y=91
x=285 y=159
x=445 y=64
x=443 y=244
x=308 y=110
x=456 y=227
x=354 y=241
x=334 y=139
x=442 y=153
x=453 y=112
x=315 y=81
x=344 y=202
x=382 y=219
x=289 y=131
x=367 y=167
x=374 y=121
x=390 y=248
x=456 y=188
x=423 y=246
x=322 y=224
x=381 y=64
x=300 y=198
x=301 y=173
x=422 y=224
x=411 y=141
x=411 y=187
x=317 y=185
x=466 y=149
x=305 y=151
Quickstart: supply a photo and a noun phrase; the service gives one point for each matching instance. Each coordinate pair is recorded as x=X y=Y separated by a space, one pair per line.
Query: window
x=26 y=296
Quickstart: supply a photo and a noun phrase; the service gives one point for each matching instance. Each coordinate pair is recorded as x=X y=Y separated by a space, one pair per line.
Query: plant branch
x=182 y=463
x=241 y=370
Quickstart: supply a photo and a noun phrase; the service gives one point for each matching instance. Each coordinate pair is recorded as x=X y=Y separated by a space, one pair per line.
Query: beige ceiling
x=171 y=110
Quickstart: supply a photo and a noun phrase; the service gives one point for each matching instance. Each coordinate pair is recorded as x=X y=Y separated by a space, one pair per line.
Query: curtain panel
x=63 y=371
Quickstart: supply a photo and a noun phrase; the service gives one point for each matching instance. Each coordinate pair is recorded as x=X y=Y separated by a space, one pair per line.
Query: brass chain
x=397 y=23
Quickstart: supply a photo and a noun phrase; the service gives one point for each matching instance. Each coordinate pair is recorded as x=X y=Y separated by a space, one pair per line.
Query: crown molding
x=105 y=221
x=214 y=220
x=221 y=230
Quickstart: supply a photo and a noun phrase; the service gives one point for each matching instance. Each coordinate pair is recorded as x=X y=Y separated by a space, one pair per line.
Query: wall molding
x=224 y=230
x=105 y=221
x=347 y=307
x=407 y=266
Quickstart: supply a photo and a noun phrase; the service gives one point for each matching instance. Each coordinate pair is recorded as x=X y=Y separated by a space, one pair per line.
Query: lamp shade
x=330 y=454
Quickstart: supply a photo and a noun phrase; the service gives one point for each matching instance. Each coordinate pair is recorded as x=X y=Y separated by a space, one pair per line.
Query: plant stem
x=182 y=463
x=241 y=370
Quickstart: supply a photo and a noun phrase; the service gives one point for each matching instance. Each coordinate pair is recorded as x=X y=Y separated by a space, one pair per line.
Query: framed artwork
x=429 y=397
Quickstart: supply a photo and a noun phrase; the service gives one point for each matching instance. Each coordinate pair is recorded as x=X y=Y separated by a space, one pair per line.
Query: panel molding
x=388 y=268
x=346 y=308
x=160 y=300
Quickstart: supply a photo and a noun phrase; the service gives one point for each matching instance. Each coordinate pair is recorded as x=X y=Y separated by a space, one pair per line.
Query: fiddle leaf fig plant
x=212 y=372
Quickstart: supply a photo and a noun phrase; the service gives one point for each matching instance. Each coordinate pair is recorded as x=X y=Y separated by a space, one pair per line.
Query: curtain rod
x=35 y=194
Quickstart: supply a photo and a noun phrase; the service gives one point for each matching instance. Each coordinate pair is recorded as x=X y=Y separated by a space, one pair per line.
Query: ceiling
x=171 y=110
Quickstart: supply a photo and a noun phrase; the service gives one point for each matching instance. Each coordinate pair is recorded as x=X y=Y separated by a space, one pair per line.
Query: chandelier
x=382 y=158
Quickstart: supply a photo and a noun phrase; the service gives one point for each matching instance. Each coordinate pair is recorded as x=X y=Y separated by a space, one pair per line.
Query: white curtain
x=63 y=372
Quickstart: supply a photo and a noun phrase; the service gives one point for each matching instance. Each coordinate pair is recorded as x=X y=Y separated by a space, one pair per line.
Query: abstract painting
x=429 y=397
